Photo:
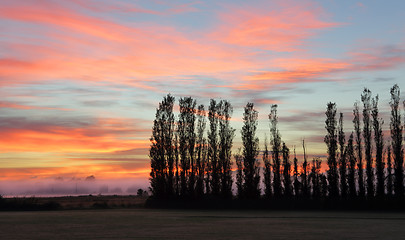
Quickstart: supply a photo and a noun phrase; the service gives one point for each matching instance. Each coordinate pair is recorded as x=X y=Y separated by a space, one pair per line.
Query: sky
x=80 y=80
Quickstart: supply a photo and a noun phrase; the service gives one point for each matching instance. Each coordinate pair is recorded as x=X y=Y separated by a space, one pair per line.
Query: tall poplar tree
x=379 y=145
x=304 y=175
x=250 y=152
x=365 y=98
x=275 y=141
x=359 y=149
x=342 y=158
x=187 y=141
x=315 y=176
x=396 y=141
x=201 y=150
x=352 y=167
x=226 y=134
x=331 y=143
x=177 y=164
x=297 y=184
x=286 y=171
x=268 y=191
x=390 y=184
x=239 y=173
x=213 y=149
x=161 y=150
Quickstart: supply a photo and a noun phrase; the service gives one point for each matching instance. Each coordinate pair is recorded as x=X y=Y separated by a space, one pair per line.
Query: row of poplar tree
x=191 y=157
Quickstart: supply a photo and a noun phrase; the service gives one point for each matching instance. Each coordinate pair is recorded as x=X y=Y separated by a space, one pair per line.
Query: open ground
x=200 y=224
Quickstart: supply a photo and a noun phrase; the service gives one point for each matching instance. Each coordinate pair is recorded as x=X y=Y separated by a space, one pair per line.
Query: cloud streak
x=11 y=105
x=296 y=71
x=62 y=135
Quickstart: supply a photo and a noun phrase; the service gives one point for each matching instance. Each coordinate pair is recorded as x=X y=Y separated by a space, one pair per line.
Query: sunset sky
x=80 y=80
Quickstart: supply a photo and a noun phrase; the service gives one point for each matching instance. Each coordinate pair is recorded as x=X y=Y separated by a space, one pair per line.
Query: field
x=72 y=202
x=137 y=223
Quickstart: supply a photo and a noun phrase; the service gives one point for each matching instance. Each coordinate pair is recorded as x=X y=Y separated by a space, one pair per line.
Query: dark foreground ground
x=198 y=224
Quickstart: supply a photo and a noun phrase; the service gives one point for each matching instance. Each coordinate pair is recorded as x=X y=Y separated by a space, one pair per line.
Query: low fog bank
x=71 y=187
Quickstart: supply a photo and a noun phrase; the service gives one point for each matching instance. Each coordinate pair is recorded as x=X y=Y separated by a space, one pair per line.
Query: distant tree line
x=191 y=154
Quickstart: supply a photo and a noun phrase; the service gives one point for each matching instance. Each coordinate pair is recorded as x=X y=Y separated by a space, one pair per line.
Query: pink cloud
x=278 y=30
x=293 y=71
x=4 y=104
x=377 y=58
x=360 y=5
x=88 y=48
x=59 y=16
x=183 y=8
x=118 y=6
x=297 y=70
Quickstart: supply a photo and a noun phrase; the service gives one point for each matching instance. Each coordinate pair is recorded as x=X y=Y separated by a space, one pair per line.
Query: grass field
x=196 y=224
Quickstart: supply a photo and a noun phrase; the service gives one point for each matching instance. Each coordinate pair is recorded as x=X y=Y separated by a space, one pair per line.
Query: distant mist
x=68 y=187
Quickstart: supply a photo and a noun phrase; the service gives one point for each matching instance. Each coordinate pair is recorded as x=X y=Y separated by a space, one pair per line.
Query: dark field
x=198 y=224
x=72 y=202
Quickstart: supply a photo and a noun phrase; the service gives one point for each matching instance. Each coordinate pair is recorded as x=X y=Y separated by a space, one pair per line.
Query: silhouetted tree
x=239 y=173
x=315 y=178
x=324 y=186
x=352 y=167
x=205 y=167
x=390 y=185
x=379 y=144
x=207 y=178
x=161 y=150
x=331 y=143
x=187 y=140
x=213 y=148
x=365 y=98
x=177 y=162
x=342 y=158
x=226 y=134
x=250 y=152
x=201 y=150
x=356 y=122
x=268 y=192
x=275 y=142
x=286 y=171
x=304 y=175
x=396 y=141
x=297 y=184
x=140 y=192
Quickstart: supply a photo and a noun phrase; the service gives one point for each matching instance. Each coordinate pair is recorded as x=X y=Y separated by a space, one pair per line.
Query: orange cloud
x=104 y=136
x=81 y=171
x=63 y=140
x=265 y=101
x=302 y=69
x=277 y=30
x=294 y=71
